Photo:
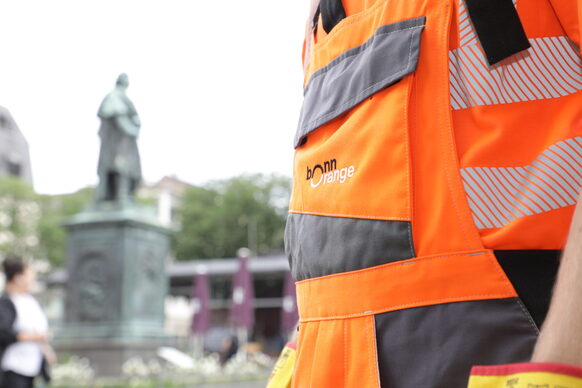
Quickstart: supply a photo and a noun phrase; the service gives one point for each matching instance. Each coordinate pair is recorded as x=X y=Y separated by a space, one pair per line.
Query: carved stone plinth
x=116 y=285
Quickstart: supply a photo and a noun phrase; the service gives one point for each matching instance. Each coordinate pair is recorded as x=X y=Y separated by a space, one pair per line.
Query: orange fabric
x=514 y=134
x=538 y=18
x=364 y=193
x=358 y=28
x=441 y=220
x=337 y=341
x=407 y=148
x=349 y=359
x=377 y=138
x=567 y=13
x=405 y=284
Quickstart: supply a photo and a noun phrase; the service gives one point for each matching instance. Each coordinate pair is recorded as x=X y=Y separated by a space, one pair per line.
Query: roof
x=263 y=264
x=13 y=148
x=212 y=267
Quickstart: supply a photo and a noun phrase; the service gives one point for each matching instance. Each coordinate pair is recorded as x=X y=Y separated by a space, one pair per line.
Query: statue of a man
x=119 y=167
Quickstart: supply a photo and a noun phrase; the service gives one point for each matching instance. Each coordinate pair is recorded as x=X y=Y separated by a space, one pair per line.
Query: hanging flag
x=201 y=304
x=242 y=313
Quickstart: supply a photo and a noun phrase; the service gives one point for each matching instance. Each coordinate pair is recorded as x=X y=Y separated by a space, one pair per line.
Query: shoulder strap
x=498 y=27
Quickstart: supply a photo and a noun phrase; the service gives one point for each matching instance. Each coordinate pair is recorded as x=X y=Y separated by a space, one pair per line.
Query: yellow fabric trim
x=526 y=380
x=283 y=370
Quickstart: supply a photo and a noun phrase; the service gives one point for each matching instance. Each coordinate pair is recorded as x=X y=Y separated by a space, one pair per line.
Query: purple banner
x=201 y=303
x=242 y=313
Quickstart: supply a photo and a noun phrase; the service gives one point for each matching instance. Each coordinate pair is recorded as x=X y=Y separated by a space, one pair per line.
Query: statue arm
x=128 y=125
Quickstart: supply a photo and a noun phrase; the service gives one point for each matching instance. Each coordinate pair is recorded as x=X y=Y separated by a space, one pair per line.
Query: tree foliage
x=55 y=210
x=219 y=218
x=215 y=219
x=19 y=217
x=30 y=224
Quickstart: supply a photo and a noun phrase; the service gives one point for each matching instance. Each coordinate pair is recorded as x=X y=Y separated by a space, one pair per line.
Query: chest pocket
x=351 y=201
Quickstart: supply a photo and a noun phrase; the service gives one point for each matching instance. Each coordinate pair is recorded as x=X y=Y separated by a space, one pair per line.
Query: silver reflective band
x=390 y=54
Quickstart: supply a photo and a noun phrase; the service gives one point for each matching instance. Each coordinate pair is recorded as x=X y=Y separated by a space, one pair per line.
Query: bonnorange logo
x=327 y=172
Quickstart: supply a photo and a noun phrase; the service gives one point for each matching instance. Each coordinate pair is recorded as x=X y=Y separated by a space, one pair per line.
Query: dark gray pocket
x=436 y=346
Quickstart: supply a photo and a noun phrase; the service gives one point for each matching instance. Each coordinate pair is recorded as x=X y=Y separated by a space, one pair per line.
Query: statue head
x=122 y=81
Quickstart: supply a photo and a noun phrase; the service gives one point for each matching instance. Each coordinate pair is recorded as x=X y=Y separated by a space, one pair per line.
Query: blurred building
x=14 y=153
x=167 y=195
x=268 y=280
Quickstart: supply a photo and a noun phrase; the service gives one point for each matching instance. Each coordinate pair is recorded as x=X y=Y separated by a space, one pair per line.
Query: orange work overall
x=432 y=190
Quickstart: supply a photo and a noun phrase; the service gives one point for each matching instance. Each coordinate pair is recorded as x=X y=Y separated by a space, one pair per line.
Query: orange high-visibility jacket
x=433 y=187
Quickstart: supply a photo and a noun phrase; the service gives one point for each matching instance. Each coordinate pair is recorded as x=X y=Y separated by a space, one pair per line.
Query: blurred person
x=230 y=348
x=24 y=349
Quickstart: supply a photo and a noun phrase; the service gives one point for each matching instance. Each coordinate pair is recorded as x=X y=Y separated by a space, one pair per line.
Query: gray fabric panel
x=318 y=246
x=436 y=346
x=360 y=72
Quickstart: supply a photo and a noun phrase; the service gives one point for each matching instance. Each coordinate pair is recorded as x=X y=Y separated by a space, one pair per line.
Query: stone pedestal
x=116 y=286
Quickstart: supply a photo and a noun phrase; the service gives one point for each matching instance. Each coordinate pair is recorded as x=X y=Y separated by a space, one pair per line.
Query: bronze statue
x=119 y=166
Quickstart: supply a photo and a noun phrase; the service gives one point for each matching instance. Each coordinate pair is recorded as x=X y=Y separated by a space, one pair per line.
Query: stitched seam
x=345 y=351
x=449 y=142
x=352 y=101
x=299 y=352
x=312 y=365
x=349 y=103
x=368 y=330
x=409 y=225
x=422 y=303
x=406 y=136
x=375 y=364
x=384 y=267
x=355 y=51
x=412 y=128
x=502 y=276
x=528 y=316
x=349 y=216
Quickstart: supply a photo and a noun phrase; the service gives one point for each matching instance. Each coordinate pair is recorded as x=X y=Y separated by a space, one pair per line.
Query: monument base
x=116 y=288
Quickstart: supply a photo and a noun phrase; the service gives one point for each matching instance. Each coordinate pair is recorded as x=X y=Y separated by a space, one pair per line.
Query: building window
x=14 y=169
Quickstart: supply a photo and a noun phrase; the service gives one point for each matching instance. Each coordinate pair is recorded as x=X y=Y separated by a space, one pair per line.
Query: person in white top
x=24 y=348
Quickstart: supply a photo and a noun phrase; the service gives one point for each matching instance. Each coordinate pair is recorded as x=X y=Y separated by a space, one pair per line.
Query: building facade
x=14 y=152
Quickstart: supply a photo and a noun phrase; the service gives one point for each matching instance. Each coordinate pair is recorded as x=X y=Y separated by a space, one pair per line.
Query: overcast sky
x=217 y=84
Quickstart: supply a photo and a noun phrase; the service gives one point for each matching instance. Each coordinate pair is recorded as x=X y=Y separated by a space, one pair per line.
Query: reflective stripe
x=491 y=192
x=551 y=68
x=498 y=190
x=540 y=170
x=390 y=54
x=550 y=162
x=513 y=184
x=479 y=218
x=479 y=196
x=502 y=194
x=476 y=205
x=457 y=83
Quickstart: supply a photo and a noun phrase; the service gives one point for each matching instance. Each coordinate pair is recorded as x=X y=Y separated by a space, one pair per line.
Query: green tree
x=225 y=215
x=19 y=218
x=55 y=210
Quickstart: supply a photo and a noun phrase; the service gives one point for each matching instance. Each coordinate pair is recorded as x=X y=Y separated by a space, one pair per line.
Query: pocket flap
x=390 y=54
